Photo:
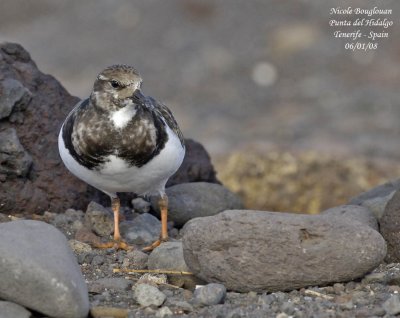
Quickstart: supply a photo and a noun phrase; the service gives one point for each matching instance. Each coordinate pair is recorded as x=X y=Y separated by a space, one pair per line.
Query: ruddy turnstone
x=119 y=140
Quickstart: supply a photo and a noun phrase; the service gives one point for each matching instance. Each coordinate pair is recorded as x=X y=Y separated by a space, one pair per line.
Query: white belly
x=116 y=176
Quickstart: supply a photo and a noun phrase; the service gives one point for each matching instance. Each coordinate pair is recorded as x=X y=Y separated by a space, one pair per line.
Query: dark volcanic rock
x=269 y=251
x=196 y=166
x=390 y=228
x=13 y=94
x=14 y=160
x=35 y=105
x=48 y=186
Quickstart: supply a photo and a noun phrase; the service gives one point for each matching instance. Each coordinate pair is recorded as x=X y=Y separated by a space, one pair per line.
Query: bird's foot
x=154 y=244
x=117 y=244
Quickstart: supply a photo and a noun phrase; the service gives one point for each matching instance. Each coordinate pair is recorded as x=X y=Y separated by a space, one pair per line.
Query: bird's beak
x=138 y=97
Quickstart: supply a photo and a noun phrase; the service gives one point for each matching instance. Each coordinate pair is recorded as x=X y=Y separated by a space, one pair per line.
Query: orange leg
x=163 y=204
x=118 y=243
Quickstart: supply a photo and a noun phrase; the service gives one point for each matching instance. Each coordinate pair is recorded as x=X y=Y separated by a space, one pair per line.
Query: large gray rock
x=354 y=212
x=190 y=200
x=268 y=251
x=142 y=230
x=14 y=160
x=36 y=120
x=38 y=270
x=390 y=228
x=13 y=310
x=377 y=198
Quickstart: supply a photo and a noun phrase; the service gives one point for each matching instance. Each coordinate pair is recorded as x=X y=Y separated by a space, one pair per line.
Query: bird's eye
x=115 y=84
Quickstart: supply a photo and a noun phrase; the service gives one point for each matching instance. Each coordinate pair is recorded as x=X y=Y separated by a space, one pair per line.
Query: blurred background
x=260 y=83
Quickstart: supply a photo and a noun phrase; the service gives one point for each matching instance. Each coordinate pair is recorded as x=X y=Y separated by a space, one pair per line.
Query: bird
x=120 y=140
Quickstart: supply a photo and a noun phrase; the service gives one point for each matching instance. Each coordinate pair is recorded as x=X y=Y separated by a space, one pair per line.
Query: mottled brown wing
x=164 y=111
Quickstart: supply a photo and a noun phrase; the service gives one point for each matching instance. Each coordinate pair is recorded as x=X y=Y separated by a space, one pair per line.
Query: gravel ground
x=376 y=295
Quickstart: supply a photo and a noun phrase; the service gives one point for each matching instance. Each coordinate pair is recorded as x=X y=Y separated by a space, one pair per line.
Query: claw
x=118 y=245
x=154 y=245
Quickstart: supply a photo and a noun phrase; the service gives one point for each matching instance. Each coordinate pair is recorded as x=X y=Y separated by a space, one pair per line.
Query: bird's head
x=117 y=86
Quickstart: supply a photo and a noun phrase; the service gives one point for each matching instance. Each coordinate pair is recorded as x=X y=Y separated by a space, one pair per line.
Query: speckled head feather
x=114 y=86
x=127 y=75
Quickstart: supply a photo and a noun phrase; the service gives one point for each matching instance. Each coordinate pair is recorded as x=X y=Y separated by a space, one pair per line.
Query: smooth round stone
x=197 y=199
x=142 y=230
x=169 y=256
x=268 y=251
x=39 y=270
x=147 y=295
x=12 y=310
x=211 y=294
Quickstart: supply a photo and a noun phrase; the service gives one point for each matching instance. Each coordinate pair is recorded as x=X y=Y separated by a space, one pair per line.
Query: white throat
x=122 y=116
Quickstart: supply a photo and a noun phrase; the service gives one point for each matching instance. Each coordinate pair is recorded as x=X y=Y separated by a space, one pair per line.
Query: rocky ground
x=127 y=284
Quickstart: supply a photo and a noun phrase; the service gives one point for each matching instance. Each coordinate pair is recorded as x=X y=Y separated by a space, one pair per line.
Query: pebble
x=163 y=312
x=98 y=260
x=13 y=310
x=392 y=305
x=183 y=305
x=39 y=270
x=268 y=251
x=87 y=236
x=79 y=247
x=148 y=295
x=197 y=199
x=140 y=205
x=137 y=259
x=142 y=230
x=381 y=278
x=338 y=288
x=169 y=256
x=112 y=283
x=99 y=219
x=211 y=294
